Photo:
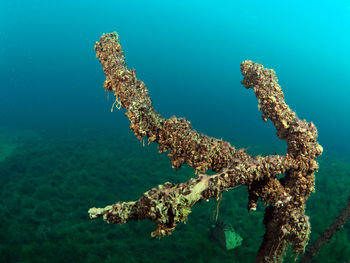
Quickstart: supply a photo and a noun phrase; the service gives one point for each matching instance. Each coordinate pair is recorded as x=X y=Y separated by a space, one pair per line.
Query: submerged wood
x=169 y=204
x=328 y=234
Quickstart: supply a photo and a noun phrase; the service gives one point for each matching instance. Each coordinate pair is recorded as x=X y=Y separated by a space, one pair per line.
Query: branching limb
x=175 y=134
x=327 y=235
x=170 y=204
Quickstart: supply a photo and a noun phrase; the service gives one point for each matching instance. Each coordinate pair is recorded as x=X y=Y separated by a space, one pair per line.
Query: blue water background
x=187 y=52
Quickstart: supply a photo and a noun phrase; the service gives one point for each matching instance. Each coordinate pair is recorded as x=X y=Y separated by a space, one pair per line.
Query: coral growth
x=169 y=204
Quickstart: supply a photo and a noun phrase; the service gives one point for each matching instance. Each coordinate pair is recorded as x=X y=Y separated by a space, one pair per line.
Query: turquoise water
x=62 y=151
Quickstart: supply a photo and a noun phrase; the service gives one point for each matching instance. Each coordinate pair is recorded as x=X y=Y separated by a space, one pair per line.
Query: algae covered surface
x=49 y=182
x=11 y=139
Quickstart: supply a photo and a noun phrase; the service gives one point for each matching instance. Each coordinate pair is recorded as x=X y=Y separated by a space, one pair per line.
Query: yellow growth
x=117 y=104
x=217 y=208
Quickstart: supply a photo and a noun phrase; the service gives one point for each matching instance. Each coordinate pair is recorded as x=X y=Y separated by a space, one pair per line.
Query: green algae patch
x=10 y=140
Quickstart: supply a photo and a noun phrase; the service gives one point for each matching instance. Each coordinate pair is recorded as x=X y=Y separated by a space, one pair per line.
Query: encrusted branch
x=170 y=204
x=327 y=235
x=175 y=134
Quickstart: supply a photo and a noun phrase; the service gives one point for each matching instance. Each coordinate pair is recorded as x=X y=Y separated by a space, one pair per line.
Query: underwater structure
x=328 y=234
x=169 y=204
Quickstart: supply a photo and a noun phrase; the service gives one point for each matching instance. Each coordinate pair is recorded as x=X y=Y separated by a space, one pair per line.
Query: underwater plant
x=169 y=204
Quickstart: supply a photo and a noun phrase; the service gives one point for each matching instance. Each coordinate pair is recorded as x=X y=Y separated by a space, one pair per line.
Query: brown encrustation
x=169 y=204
